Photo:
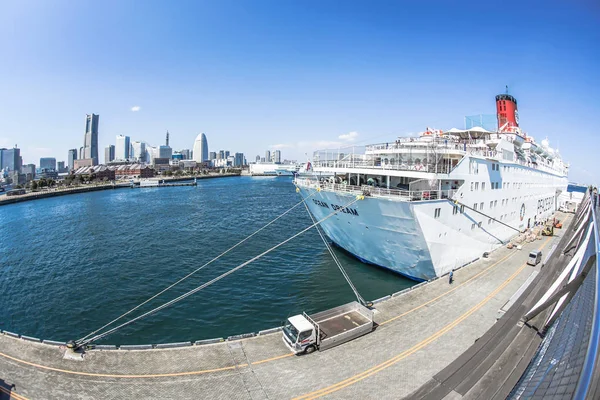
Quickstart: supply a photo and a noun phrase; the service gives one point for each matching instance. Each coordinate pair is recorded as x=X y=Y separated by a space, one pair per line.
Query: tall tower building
x=200 y=151
x=109 y=154
x=48 y=163
x=167 y=141
x=277 y=156
x=10 y=159
x=267 y=156
x=90 y=140
x=72 y=157
x=122 y=148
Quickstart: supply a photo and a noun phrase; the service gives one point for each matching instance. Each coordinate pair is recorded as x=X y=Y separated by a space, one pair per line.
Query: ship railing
x=440 y=168
x=374 y=191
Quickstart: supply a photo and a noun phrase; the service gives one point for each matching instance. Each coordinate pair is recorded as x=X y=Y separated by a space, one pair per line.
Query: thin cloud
x=280 y=146
x=349 y=137
x=136 y=108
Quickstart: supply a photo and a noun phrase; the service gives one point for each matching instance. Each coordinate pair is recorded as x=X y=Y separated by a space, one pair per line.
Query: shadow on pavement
x=5 y=390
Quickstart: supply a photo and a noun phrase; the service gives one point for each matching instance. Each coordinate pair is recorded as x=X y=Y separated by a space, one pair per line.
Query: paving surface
x=420 y=333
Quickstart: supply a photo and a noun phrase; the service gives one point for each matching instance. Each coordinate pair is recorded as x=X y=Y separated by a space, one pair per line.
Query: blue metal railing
x=587 y=371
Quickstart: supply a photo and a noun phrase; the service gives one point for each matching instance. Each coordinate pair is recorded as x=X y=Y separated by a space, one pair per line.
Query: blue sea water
x=70 y=264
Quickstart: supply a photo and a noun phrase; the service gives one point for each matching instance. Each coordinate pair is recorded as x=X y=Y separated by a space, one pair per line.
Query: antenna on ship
x=506 y=89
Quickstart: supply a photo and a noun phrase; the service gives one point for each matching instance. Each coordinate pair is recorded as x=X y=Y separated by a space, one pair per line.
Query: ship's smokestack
x=506 y=111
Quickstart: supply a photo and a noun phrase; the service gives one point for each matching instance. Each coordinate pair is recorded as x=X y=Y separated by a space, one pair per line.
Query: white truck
x=306 y=333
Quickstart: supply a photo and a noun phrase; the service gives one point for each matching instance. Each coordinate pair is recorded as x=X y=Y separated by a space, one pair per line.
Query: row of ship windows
x=479 y=207
x=507 y=185
x=507 y=168
x=493 y=221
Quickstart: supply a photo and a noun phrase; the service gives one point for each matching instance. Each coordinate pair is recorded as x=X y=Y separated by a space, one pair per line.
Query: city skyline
x=295 y=80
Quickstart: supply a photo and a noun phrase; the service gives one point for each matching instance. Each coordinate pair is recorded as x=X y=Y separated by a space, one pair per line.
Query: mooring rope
x=337 y=261
x=81 y=342
x=195 y=271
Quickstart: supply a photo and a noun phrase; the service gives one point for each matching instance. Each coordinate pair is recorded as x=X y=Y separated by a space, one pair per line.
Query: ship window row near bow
x=507 y=185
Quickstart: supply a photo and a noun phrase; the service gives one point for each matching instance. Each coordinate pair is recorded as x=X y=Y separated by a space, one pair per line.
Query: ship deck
x=420 y=332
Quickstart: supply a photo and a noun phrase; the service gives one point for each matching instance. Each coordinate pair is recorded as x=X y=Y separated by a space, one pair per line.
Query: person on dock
x=451 y=277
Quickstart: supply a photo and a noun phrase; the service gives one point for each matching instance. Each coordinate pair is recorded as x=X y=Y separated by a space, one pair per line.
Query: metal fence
x=407 y=195
x=565 y=365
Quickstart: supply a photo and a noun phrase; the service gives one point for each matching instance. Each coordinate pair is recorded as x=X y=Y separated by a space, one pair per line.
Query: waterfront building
x=109 y=154
x=84 y=162
x=28 y=169
x=17 y=178
x=122 y=148
x=48 y=173
x=60 y=167
x=90 y=141
x=267 y=156
x=221 y=155
x=48 y=163
x=165 y=152
x=188 y=164
x=138 y=152
x=132 y=171
x=71 y=158
x=177 y=156
x=200 y=151
x=277 y=156
x=212 y=156
x=227 y=153
x=238 y=160
x=101 y=172
x=257 y=158
x=262 y=160
x=10 y=159
x=186 y=153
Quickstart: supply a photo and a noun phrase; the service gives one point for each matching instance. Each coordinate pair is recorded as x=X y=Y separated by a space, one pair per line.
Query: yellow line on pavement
x=360 y=376
x=12 y=394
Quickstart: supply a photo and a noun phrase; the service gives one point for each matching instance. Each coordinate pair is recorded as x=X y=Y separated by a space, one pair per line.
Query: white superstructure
x=438 y=201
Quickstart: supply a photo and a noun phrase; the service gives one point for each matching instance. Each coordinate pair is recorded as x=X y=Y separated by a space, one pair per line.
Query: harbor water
x=70 y=264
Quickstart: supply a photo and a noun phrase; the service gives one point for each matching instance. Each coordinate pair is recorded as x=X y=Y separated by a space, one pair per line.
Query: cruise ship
x=439 y=200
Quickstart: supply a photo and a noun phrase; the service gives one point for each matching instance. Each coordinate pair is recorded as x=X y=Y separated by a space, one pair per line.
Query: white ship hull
x=412 y=239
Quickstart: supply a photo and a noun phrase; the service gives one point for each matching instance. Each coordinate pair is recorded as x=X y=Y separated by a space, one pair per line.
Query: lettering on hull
x=336 y=207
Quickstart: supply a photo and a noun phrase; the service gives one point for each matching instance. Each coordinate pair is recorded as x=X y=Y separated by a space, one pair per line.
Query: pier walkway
x=421 y=332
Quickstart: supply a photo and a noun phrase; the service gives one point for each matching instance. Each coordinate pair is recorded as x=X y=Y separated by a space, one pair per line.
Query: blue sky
x=295 y=75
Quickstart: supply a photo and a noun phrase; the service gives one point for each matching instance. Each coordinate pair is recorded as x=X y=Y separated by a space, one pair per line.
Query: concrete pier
x=420 y=332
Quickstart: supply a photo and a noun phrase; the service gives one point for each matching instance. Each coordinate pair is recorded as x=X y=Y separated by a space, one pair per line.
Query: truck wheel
x=309 y=349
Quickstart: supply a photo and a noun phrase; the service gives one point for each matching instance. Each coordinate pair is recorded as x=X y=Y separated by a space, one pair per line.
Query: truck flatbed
x=337 y=324
x=341 y=324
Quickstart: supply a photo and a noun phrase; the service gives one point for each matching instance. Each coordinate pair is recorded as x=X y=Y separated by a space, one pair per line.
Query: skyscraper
x=48 y=163
x=212 y=155
x=277 y=156
x=226 y=154
x=165 y=152
x=200 y=151
x=221 y=155
x=10 y=159
x=139 y=151
x=239 y=160
x=90 y=141
x=60 y=166
x=122 y=148
x=109 y=154
x=72 y=157
x=267 y=156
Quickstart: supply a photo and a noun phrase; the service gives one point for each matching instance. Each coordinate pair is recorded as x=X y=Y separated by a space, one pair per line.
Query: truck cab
x=299 y=335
